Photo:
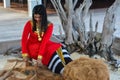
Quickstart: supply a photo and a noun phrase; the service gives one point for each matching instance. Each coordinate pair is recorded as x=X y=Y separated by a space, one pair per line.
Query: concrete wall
x=4 y=46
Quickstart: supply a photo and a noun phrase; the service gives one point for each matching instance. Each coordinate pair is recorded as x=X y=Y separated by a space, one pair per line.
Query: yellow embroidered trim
x=60 y=54
x=38 y=33
x=31 y=22
x=39 y=57
x=24 y=54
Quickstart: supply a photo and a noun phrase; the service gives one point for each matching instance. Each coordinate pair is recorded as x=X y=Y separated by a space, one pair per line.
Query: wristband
x=39 y=57
x=24 y=55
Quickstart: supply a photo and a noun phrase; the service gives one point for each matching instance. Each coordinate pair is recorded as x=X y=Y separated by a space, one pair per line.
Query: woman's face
x=37 y=17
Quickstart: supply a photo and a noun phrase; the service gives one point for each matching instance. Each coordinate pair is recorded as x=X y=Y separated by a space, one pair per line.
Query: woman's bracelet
x=24 y=55
x=39 y=57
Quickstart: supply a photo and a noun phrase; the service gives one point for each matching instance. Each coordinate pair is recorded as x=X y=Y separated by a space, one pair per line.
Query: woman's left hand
x=39 y=62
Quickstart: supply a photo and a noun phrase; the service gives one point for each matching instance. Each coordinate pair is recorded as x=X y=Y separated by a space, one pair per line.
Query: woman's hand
x=39 y=62
x=25 y=58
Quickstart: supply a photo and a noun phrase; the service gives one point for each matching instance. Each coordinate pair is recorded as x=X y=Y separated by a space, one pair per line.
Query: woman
x=36 y=43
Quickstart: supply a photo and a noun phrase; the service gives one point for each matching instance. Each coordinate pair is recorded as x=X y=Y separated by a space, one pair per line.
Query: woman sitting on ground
x=36 y=43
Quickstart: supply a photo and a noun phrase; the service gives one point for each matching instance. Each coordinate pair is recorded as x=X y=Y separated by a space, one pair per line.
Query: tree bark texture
x=76 y=37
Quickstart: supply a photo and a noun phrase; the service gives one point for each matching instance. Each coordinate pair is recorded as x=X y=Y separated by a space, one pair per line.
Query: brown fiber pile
x=80 y=69
x=17 y=70
x=86 y=69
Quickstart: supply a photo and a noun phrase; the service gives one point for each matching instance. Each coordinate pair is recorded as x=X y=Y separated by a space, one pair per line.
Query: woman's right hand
x=25 y=58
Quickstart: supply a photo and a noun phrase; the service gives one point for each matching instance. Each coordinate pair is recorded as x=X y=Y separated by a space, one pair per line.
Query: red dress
x=34 y=48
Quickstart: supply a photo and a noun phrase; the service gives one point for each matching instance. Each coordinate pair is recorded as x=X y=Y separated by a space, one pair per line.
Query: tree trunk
x=76 y=36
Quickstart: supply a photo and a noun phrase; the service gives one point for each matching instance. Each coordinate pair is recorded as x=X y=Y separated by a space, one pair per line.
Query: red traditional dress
x=34 y=48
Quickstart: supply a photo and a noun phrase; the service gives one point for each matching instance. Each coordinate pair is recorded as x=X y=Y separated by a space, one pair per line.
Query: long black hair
x=41 y=10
